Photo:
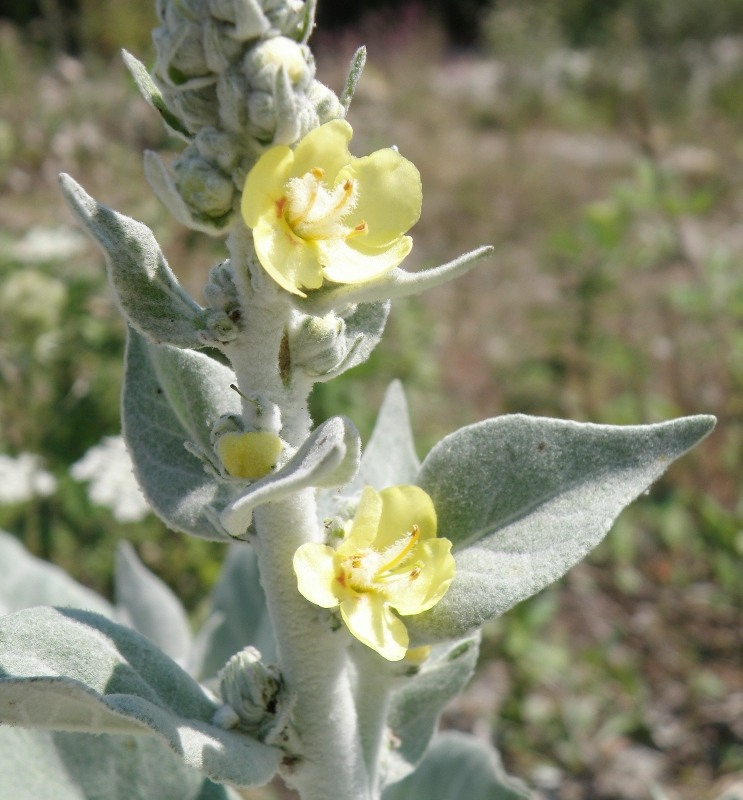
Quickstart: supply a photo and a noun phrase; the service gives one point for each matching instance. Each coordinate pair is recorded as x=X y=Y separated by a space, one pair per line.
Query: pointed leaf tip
x=525 y=498
x=148 y=292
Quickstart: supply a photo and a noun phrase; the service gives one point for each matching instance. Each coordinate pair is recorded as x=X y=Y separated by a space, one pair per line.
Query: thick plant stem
x=313 y=661
x=260 y=354
x=313 y=658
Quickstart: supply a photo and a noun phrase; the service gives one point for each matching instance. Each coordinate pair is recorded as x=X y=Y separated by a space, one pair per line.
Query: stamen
x=400 y=556
x=362 y=227
x=344 y=196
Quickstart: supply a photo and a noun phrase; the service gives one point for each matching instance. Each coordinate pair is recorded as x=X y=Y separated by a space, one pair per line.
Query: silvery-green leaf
x=329 y=457
x=153 y=95
x=458 y=766
x=147 y=604
x=238 y=615
x=389 y=459
x=197 y=388
x=288 y=125
x=354 y=74
x=523 y=499
x=173 y=480
x=71 y=670
x=308 y=23
x=147 y=291
x=363 y=330
x=41 y=765
x=416 y=705
x=395 y=283
x=29 y=581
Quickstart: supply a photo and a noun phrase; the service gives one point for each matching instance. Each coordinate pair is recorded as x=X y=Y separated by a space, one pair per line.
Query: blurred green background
x=598 y=144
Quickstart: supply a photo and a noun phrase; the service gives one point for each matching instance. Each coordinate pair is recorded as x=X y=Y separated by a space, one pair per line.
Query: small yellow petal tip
x=249 y=456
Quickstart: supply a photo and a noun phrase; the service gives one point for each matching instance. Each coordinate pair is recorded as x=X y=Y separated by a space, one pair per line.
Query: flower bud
x=218 y=148
x=318 y=344
x=196 y=107
x=221 y=49
x=246 y=18
x=286 y=16
x=180 y=52
x=220 y=327
x=263 y=61
x=254 y=691
x=325 y=102
x=202 y=185
x=220 y=291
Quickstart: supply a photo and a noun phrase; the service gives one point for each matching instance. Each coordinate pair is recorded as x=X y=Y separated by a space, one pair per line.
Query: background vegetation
x=598 y=146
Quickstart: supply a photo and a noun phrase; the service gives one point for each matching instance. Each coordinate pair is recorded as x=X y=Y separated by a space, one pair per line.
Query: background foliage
x=597 y=145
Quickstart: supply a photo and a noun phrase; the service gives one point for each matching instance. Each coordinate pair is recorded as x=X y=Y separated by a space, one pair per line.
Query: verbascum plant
x=370 y=574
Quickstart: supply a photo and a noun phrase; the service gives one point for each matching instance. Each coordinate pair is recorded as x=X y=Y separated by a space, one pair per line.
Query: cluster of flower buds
x=236 y=78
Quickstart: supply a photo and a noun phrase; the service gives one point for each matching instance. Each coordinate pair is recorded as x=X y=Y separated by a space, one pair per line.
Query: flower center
x=315 y=212
x=363 y=570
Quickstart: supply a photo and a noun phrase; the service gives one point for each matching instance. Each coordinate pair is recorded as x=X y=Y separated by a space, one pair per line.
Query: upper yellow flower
x=389 y=559
x=317 y=212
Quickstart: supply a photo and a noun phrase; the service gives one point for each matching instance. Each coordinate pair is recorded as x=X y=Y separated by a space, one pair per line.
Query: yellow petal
x=249 y=455
x=363 y=529
x=426 y=581
x=289 y=260
x=403 y=507
x=371 y=622
x=417 y=655
x=264 y=186
x=314 y=566
x=352 y=261
x=325 y=147
x=390 y=195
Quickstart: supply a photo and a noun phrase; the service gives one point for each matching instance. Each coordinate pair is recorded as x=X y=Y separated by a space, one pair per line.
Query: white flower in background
x=108 y=469
x=42 y=244
x=22 y=478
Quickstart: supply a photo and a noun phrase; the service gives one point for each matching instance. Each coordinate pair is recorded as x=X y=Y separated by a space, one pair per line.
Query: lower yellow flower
x=389 y=559
x=318 y=213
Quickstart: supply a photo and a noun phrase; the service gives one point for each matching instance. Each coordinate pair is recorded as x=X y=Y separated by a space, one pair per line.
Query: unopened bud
x=218 y=148
x=246 y=18
x=220 y=327
x=325 y=102
x=202 y=185
x=318 y=344
x=220 y=291
x=263 y=61
x=254 y=691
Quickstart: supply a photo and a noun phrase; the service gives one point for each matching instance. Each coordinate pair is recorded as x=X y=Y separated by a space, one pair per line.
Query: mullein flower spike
x=389 y=560
x=318 y=213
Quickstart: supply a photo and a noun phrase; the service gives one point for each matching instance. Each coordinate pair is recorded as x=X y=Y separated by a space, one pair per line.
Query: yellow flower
x=389 y=559
x=250 y=455
x=319 y=213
